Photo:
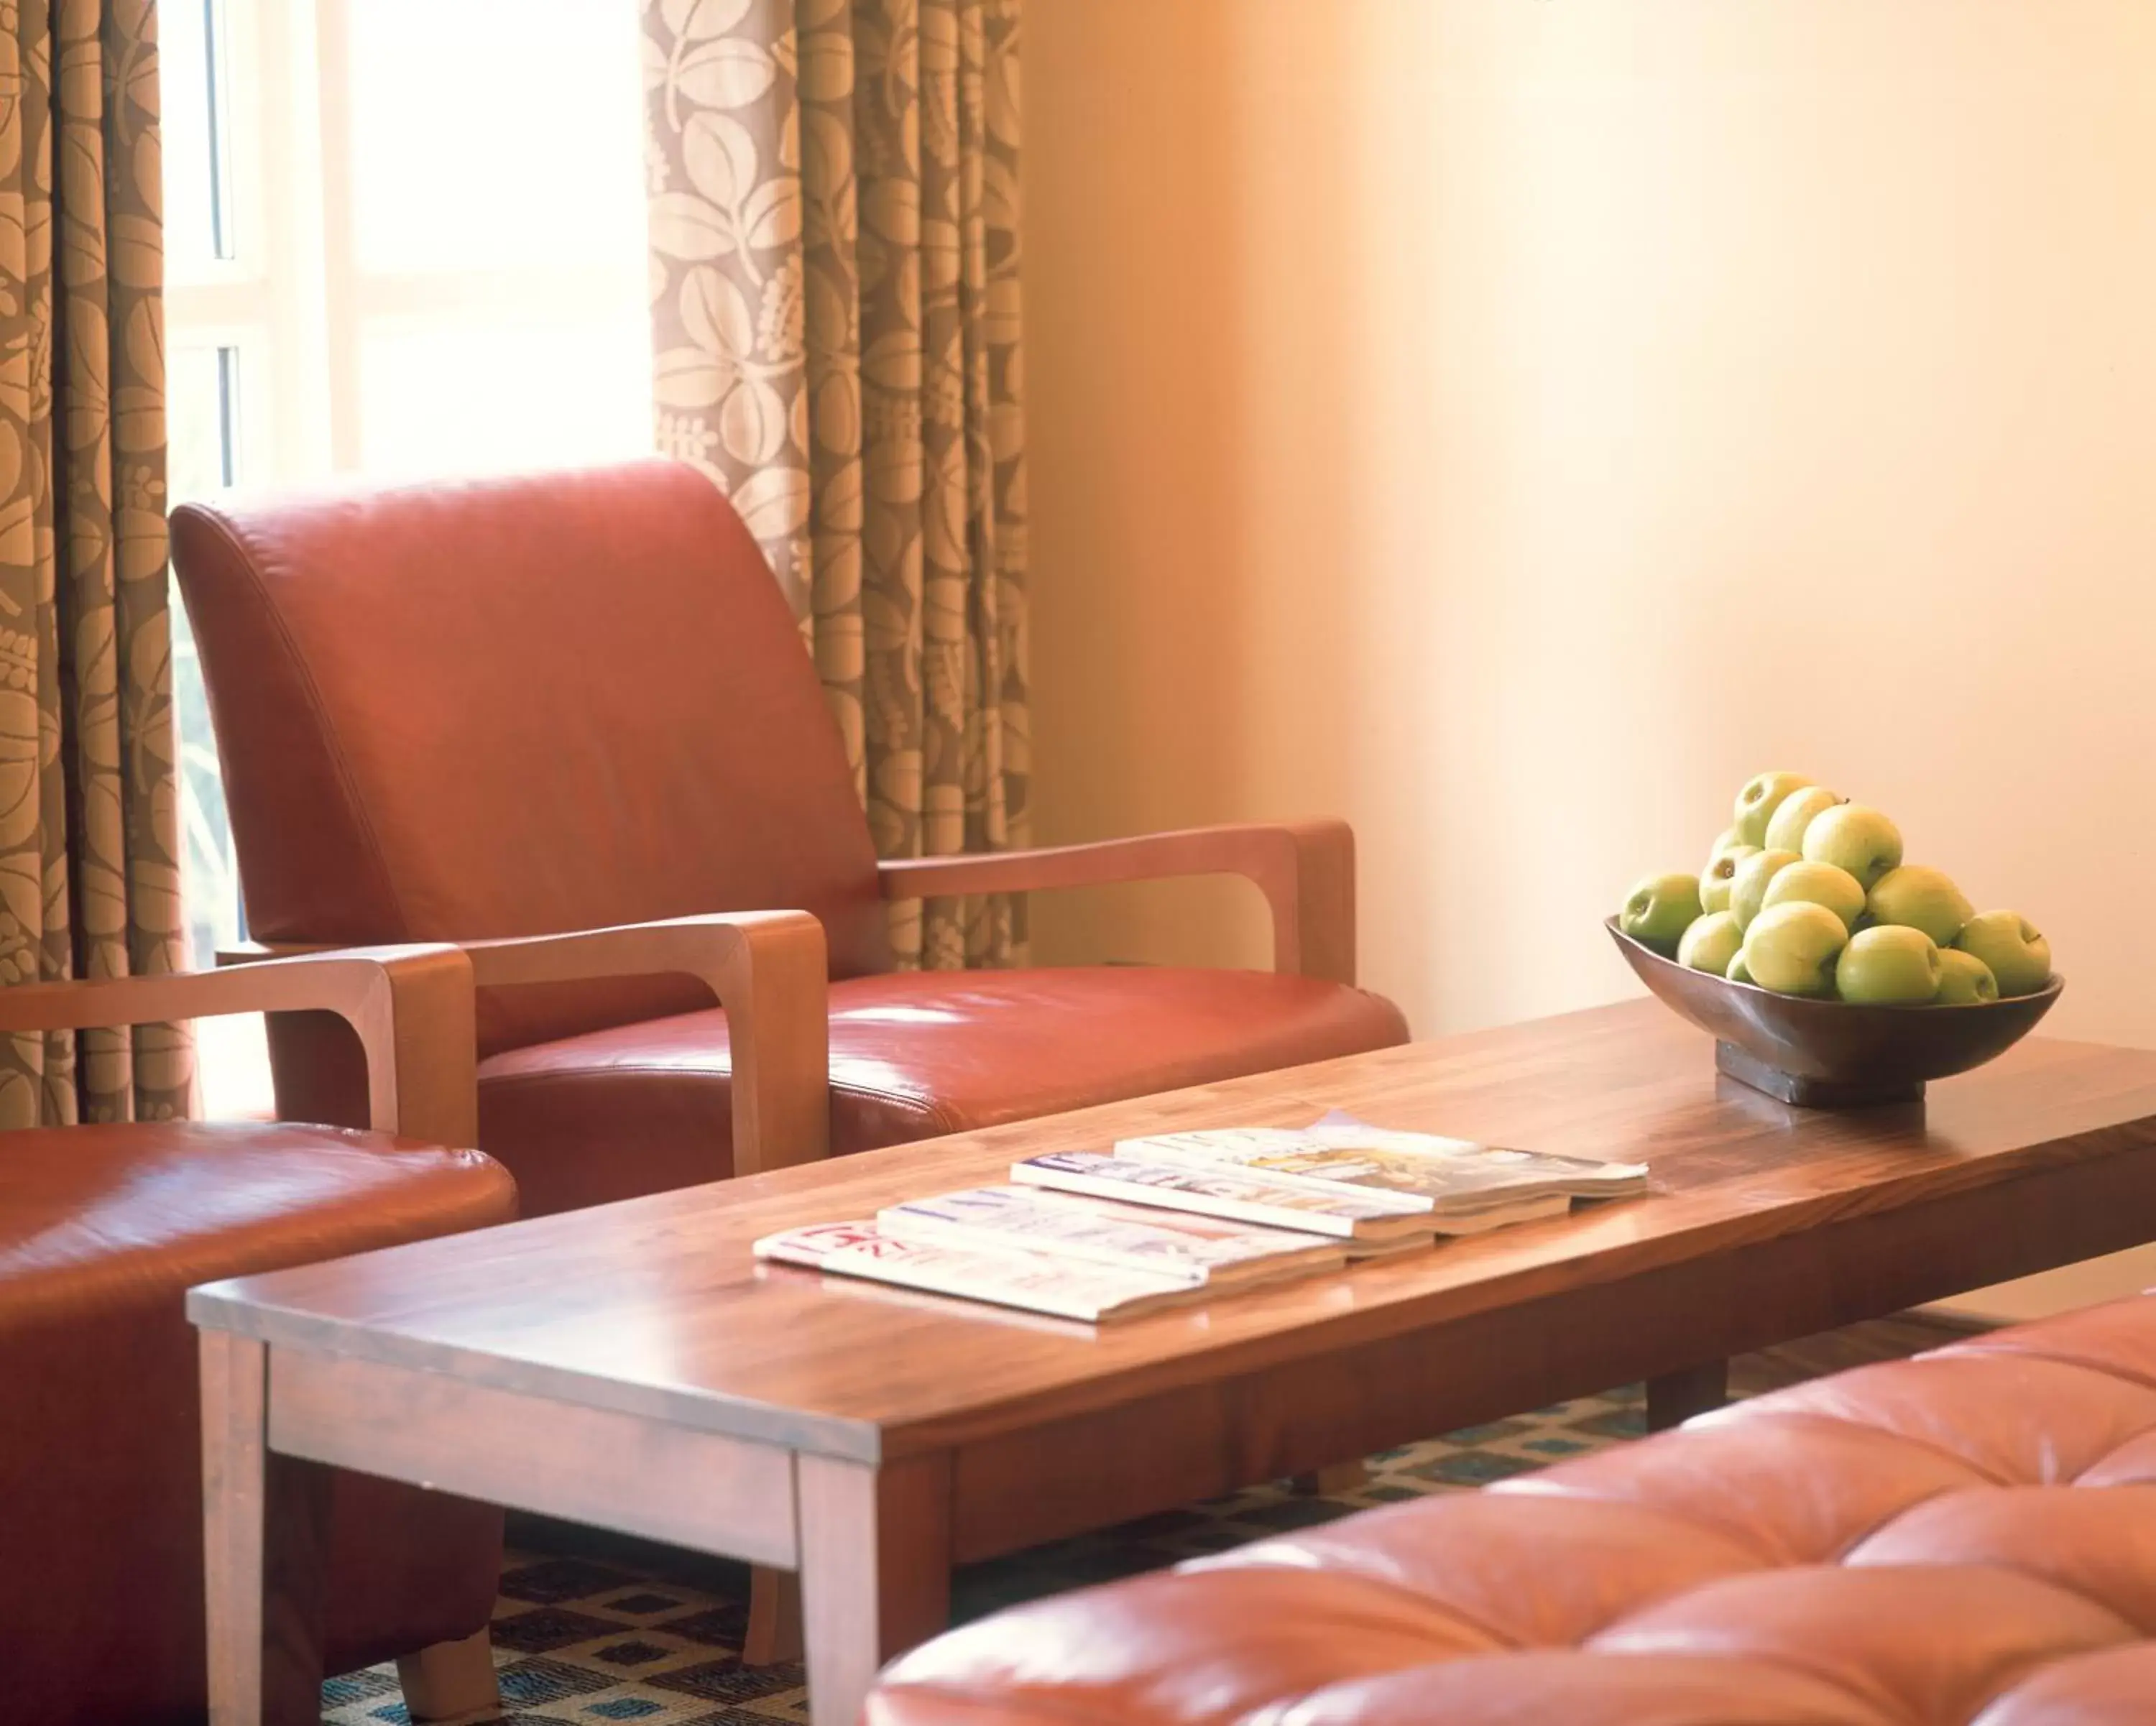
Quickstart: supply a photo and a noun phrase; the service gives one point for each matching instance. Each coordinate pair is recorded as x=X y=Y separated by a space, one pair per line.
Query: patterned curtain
x=834 y=234
x=87 y=832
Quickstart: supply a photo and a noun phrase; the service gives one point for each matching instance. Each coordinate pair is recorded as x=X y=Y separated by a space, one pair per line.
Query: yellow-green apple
x=1711 y=943
x=1791 y=948
x=1920 y=898
x=1720 y=875
x=1888 y=965
x=2020 y=958
x=1964 y=979
x=1737 y=971
x=1748 y=889
x=1727 y=839
x=1785 y=831
x=1660 y=909
x=1817 y=883
x=1760 y=798
x=1854 y=837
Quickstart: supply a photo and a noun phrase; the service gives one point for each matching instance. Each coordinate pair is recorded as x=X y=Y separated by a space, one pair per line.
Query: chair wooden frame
x=1306 y=870
x=412 y=1008
x=768 y=969
x=410 y=1005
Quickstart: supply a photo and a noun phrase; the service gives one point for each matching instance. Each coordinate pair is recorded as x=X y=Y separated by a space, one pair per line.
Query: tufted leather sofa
x=1966 y=1536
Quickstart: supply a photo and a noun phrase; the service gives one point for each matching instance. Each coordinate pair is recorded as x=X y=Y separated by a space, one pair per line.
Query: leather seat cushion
x=914 y=1054
x=97 y=1216
x=1967 y=1537
x=102 y=1230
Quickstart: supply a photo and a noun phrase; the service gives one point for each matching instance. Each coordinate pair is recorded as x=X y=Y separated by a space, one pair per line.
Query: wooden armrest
x=769 y=971
x=254 y=952
x=411 y=1006
x=1304 y=868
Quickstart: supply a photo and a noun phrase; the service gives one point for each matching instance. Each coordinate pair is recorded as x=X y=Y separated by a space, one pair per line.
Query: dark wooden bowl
x=1833 y=1054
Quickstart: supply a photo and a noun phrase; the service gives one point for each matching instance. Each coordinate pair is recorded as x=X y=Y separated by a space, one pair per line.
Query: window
x=403 y=238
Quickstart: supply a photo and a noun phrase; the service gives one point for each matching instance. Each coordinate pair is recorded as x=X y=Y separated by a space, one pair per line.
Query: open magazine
x=1212 y=1249
x=1036 y=1282
x=1364 y=1223
x=1426 y=1172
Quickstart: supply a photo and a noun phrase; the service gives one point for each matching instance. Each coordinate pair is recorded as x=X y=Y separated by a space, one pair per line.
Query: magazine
x=946 y=1306
x=1367 y=1222
x=1444 y=1177
x=1486 y=1217
x=1033 y=1282
x=1212 y=1249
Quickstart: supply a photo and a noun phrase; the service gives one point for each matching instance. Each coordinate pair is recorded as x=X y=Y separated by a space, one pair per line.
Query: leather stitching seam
x=1994 y=1351
x=1499 y=1642
x=1936 y=1449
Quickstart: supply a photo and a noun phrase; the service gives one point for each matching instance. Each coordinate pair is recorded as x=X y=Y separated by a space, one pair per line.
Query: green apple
x=1785 y=831
x=1760 y=798
x=1817 y=883
x=1660 y=909
x=1854 y=837
x=1728 y=839
x=1737 y=971
x=2020 y=958
x=1711 y=943
x=1791 y=948
x=1888 y=965
x=1720 y=876
x=1964 y=980
x=1748 y=890
x=1919 y=898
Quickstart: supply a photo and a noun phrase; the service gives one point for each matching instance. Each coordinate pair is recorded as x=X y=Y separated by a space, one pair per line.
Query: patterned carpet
x=606 y=1632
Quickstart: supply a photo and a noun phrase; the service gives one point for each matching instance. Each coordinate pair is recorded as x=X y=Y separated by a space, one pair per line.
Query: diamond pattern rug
x=598 y=1638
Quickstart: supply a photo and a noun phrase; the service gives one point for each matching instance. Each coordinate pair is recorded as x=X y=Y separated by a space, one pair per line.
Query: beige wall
x=1510 y=422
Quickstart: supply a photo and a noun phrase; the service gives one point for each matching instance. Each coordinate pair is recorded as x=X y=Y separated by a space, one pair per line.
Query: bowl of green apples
x=1830 y=973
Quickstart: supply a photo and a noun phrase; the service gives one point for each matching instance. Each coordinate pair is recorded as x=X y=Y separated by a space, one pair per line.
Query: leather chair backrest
x=515 y=707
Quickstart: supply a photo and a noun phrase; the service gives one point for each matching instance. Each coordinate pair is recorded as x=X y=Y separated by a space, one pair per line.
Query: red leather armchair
x=102 y=1230
x=567 y=722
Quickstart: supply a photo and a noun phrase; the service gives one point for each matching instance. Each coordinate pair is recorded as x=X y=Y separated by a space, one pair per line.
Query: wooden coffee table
x=632 y=1367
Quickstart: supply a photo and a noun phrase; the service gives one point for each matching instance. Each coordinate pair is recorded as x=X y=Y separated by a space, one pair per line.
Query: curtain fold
x=834 y=251
x=88 y=881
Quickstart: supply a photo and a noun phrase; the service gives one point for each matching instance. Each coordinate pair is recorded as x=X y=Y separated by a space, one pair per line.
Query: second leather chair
x=568 y=722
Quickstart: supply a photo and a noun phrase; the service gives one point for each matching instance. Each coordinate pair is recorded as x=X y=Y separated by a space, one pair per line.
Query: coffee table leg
x=774 y=1617
x=875 y=1570
x=1341 y=1477
x=264 y=1528
x=1675 y=1397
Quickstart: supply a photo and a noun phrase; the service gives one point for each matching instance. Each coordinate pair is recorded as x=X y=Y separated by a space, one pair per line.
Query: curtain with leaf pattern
x=89 y=884
x=834 y=241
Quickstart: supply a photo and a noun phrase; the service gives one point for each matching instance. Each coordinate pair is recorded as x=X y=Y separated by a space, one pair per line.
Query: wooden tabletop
x=655 y=1306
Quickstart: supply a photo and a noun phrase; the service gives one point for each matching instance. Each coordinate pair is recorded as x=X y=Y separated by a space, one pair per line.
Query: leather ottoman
x=102 y=1230
x=1968 y=1536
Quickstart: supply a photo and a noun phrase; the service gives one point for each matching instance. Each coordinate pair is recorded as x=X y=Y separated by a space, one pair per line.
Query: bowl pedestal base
x=1807 y=1093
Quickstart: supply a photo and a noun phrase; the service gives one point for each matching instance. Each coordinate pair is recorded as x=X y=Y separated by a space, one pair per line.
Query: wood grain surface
x=1765 y=1222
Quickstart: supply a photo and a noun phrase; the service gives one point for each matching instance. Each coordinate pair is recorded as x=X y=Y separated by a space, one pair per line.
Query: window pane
x=233 y=1058
x=209 y=876
x=201 y=402
x=488 y=133
x=191 y=56
x=509 y=394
